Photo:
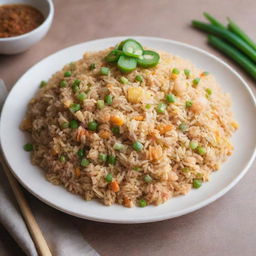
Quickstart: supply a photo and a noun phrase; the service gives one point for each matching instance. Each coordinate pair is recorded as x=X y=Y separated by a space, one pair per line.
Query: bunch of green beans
x=231 y=40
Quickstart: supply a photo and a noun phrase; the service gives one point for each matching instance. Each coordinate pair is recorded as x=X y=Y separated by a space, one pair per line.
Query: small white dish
x=32 y=177
x=21 y=43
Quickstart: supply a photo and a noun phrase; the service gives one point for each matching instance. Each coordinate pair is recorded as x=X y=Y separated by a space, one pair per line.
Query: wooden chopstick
x=35 y=232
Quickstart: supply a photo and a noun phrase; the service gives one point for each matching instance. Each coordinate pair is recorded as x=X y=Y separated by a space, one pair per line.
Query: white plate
x=32 y=177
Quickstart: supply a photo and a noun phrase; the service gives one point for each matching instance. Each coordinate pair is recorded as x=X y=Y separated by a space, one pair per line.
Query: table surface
x=227 y=226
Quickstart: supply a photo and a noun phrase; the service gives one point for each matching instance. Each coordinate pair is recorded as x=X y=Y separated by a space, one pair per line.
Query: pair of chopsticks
x=35 y=232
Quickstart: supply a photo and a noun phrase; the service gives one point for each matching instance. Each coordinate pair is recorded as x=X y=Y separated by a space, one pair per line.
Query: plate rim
x=145 y=219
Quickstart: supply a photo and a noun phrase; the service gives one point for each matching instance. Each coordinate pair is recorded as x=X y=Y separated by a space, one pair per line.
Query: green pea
x=188 y=103
x=142 y=203
x=208 y=91
x=67 y=74
x=148 y=106
x=170 y=98
x=43 y=84
x=175 y=71
x=124 y=80
x=111 y=159
x=147 y=178
x=187 y=73
x=109 y=177
x=195 y=82
x=63 y=83
x=92 y=66
x=80 y=152
x=161 y=107
x=28 y=147
x=183 y=127
x=73 y=124
x=193 y=144
x=185 y=170
x=103 y=157
x=81 y=96
x=137 y=168
x=197 y=183
x=115 y=130
x=62 y=159
x=109 y=99
x=139 y=78
x=75 y=107
x=201 y=150
x=137 y=146
x=104 y=71
x=84 y=162
x=100 y=104
x=92 y=126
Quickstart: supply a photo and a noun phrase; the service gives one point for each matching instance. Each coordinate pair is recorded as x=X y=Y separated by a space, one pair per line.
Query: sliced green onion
x=208 y=91
x=62 y=159
x=148 y=59
x=65 y=125
x=126 y=64
x=80 y=152
x=132 y=48
x=175 y=71
x=113 y=56
x=148 y=106
x=185 y=170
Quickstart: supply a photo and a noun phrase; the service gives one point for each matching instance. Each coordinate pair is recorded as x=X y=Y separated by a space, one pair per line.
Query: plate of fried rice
x=129 y=130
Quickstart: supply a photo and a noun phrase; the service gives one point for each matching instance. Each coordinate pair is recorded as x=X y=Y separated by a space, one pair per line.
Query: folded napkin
x=61 y=235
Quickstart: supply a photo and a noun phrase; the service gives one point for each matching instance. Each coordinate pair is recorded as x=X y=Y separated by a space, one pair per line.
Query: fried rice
x=180 y=144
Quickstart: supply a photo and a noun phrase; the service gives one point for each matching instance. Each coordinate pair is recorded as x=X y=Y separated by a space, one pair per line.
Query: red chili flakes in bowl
x=18 y=19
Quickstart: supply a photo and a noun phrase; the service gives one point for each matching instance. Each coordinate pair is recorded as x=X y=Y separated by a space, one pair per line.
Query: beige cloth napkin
x=62 y=236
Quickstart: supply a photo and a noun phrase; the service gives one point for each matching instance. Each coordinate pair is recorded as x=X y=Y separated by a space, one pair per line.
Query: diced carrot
x=174 y=76
x=104 y=134
x=139 y=118
x=54 y=152
x=155 y=153
x=163 y=128
x=77 y=172
x=80 y=132
x=116 y=120
x=127 y=202
x=109 y=85
x=114 y=186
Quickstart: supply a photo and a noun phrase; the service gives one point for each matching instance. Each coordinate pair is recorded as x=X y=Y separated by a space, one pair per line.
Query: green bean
x=229 y=36
x=213 y=21
x=234 y=54
x=233 y=27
